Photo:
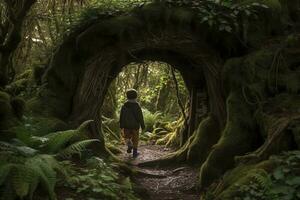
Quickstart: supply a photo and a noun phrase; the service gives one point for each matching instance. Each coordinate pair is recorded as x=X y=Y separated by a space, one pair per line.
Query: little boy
x=131 y=119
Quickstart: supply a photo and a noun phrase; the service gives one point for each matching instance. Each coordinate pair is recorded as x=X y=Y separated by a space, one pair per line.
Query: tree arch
x=84 y=65
x=81 y=69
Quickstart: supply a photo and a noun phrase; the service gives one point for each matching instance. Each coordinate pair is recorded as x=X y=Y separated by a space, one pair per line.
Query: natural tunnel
x=82 y=68
x=91 y=56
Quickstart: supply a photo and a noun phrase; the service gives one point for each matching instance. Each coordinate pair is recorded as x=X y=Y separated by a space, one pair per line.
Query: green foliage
x=30 y=161
x=224 y=17
x=256 y=187
x=23 y=169
x=108 y=8
x=150 y=79
x=75 y=148
x=282 y=183
x=276 y=178
x=97 y=181
x=39 y=126
x=150 y=119
x=286 y=177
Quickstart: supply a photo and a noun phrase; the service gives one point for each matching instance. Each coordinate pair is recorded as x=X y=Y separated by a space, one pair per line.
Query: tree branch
x=177 y=94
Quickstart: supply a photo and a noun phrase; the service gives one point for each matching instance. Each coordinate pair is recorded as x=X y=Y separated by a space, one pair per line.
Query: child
x=131 y=119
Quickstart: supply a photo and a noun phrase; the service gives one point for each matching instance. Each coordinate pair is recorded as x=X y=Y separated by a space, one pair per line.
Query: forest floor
x=175 y=182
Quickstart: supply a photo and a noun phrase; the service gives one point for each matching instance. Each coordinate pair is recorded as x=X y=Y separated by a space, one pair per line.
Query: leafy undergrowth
x=282 y=182
x=38 y=167
x=95 y=180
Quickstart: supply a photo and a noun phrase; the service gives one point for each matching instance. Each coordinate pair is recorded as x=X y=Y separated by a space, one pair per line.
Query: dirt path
x=169 y=183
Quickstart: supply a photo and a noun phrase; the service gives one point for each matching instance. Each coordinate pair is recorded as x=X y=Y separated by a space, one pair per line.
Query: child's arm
x=122 y=118
x=141 y=118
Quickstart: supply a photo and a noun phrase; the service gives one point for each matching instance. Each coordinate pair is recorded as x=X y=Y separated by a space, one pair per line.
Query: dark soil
x=175 y=182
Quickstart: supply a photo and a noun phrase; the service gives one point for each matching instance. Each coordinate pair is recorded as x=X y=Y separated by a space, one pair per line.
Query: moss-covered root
x=196 y=149
x=237 y=139
x=176 y=157
x=207 y=134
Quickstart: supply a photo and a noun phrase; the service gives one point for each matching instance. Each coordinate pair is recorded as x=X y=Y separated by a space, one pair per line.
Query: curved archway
x=83 y=67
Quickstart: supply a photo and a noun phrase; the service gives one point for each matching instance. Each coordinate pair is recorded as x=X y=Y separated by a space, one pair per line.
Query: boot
x=135 y=153
x=129 y=147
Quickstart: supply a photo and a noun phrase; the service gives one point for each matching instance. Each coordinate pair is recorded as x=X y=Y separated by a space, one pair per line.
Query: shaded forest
x=218 y=83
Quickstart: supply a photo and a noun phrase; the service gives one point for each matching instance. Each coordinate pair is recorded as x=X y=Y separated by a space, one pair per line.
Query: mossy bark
x=207 y=134
x=237 y=139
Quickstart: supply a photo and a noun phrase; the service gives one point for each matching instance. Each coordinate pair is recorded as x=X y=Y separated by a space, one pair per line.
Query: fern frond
x=7 y=192
x=59 y=139
x=76 y=148
x=45 y=172
x=261 y=177
x=21 y=176
x=19 y=150
x=4 y=171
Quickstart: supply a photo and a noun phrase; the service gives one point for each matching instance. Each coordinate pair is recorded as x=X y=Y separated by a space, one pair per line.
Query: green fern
x=75 y=148
x=58 y=140
x=21 y=173
x=261 y=177
x=23 y=168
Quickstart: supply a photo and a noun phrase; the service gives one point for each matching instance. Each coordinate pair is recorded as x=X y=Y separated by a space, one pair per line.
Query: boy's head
x=131 y=94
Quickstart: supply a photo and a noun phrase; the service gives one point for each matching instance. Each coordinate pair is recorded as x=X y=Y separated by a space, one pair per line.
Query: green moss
x=236 y=139
x=244 y=182
x=17 y=86
x=27 y=74
x=4 y=96
x=207 y=134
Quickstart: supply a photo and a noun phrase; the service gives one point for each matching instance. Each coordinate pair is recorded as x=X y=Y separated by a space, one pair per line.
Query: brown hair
x=131 y=94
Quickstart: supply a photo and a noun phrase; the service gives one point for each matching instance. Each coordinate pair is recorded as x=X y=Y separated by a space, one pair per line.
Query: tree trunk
x=10 y=35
